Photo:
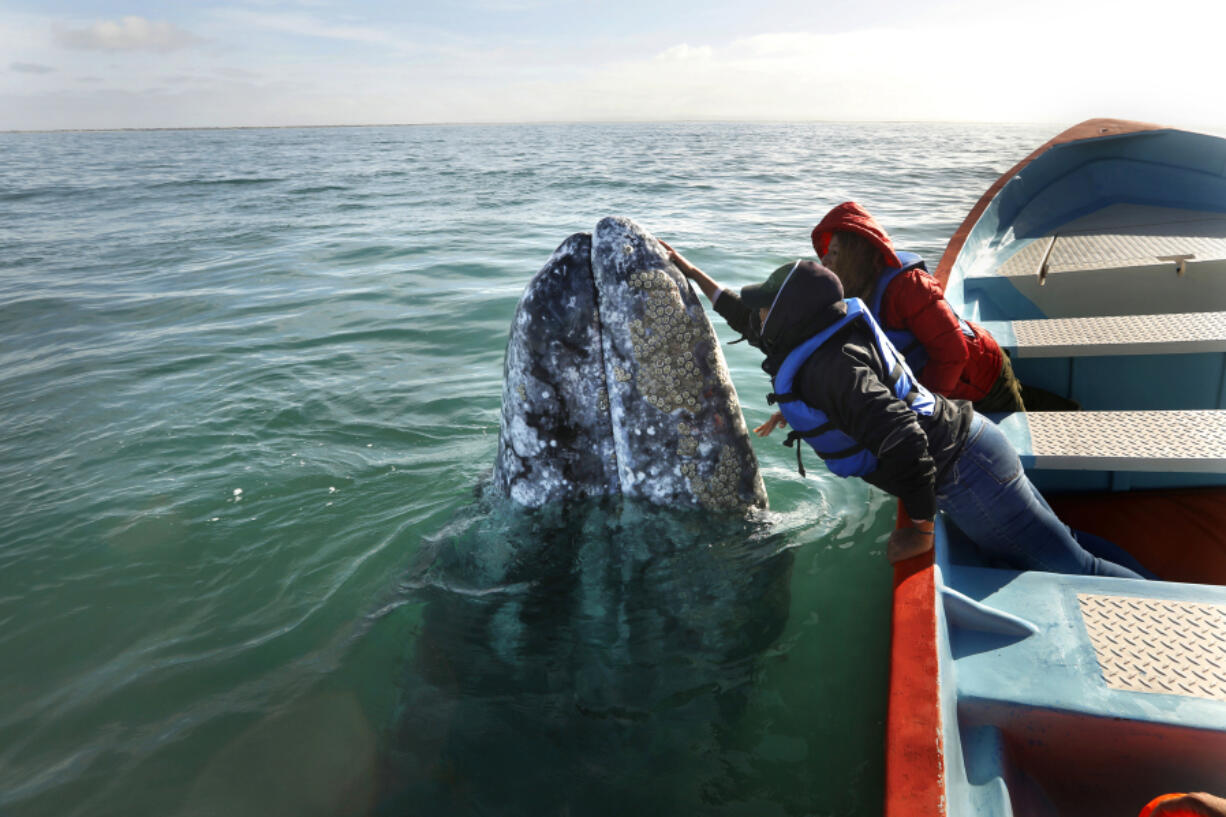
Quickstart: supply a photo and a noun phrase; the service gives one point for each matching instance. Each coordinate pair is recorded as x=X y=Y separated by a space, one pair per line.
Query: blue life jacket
x=914 y=351
x=844 y=456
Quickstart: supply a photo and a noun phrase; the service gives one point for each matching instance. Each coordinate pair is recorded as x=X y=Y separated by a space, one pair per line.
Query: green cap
x=761 y=296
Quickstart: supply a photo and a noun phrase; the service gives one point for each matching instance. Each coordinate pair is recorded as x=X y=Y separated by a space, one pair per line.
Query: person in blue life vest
x=848 y=394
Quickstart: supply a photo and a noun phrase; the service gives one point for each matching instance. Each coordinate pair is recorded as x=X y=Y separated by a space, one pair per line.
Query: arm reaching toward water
x=770 y=425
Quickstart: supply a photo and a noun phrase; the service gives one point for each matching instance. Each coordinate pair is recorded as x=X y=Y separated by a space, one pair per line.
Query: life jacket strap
x=854 y=448
x=795 y=434
x=789 y=397
x=791 y=443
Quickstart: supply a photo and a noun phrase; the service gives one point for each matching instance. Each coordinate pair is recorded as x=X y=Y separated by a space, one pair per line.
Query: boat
x=1099 y=263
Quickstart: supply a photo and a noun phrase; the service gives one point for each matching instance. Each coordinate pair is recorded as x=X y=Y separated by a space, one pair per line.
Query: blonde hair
x=859 y=264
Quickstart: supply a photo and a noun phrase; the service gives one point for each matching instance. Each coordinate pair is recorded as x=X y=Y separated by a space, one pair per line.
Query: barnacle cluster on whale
x=665 y=341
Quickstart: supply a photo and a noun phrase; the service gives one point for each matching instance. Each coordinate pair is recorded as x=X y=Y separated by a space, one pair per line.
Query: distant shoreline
x=521 y=124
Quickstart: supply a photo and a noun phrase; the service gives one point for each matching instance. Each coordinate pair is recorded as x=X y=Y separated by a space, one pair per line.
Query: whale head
x=614 y=383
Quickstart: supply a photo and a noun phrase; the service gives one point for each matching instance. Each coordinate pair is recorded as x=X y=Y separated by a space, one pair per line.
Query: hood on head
x=850 y=217
x=809 y=300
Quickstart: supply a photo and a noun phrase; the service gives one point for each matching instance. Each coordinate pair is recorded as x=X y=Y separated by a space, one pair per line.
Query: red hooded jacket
x=958 y=367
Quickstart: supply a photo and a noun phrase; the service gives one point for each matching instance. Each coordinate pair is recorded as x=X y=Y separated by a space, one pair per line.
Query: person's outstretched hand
x=907 y=542
x=770 y=425
x=678 y=260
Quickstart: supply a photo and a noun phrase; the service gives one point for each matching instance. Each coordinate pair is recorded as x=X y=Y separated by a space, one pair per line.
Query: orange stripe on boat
x=914 y=764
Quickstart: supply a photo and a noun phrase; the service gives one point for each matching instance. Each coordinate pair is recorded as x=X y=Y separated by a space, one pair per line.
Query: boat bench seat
x=1122 y=259
x=1181 y=333
x=1152 y=441
x=1123 y=236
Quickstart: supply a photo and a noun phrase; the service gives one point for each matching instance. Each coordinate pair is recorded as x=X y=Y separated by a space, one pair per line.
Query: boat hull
x=1005 y=697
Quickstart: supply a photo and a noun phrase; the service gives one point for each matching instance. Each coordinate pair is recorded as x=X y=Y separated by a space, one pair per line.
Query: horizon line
x=514 y=123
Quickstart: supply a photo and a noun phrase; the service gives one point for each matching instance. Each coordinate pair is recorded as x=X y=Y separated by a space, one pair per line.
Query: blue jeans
x=987 y=495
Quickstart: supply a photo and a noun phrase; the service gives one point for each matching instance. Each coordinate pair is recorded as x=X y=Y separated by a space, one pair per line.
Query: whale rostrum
x=614 y=383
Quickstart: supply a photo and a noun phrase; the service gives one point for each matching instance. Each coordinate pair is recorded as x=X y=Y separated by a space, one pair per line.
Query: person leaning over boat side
x=952 y=357
x=866 y=415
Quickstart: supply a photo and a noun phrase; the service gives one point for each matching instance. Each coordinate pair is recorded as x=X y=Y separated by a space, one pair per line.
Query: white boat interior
x=1123 y=259
x=1189 y=441
x=1174 y=333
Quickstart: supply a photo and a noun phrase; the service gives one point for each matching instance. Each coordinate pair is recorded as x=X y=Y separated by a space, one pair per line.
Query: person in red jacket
x=963 y=360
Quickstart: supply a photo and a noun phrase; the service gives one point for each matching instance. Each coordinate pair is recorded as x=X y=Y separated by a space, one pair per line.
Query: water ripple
x=248 y=383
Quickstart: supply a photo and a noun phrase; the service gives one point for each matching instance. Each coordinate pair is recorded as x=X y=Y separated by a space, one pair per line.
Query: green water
x=249 y=383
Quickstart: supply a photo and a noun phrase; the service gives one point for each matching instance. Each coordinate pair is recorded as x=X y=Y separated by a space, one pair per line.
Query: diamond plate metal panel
x=1121 y=236
x=1122 y=334
x=1027 y=260
x=1130 y=440
x=1155 y=645
x=1114 y=250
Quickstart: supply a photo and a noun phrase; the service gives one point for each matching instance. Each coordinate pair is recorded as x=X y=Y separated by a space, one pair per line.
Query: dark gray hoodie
x=846 y=379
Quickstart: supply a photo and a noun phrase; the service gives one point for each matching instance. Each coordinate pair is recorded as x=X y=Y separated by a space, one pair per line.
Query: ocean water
x=249 y=394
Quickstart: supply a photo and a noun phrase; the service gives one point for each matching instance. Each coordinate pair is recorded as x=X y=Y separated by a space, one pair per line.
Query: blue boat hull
x=1021 y=692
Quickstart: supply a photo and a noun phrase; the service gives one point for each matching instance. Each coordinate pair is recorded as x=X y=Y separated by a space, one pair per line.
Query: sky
x=67 y=64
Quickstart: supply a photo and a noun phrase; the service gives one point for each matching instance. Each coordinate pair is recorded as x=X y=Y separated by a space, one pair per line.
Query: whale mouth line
x=598 y=298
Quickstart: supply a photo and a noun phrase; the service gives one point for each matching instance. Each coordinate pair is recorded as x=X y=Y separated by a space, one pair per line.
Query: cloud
x=686 y=53
x=307 y=26
x=508 y=6
x=283 y=64
x=960 y=75
x=127 y=34
x=30 y=68
x=272 y=3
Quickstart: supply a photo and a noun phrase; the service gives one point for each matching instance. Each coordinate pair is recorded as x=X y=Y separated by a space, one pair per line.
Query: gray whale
x=570 y=656
x=614 y=383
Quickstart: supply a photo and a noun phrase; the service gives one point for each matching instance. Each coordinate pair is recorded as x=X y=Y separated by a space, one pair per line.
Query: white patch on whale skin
x=527 y=495
x=524 y=439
